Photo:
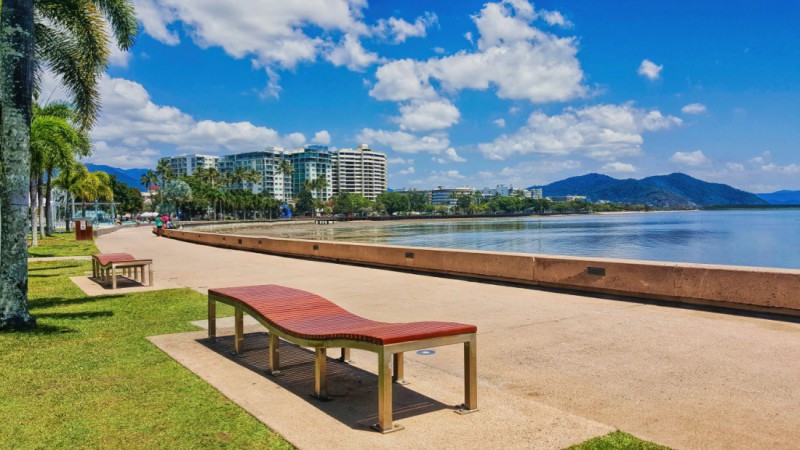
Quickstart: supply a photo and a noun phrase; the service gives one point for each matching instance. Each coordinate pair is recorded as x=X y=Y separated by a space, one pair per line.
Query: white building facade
x=359 y=171
x=185 y=165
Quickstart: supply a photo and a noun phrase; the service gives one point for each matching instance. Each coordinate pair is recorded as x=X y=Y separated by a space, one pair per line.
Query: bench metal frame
x=390 y=355
x=134 y=270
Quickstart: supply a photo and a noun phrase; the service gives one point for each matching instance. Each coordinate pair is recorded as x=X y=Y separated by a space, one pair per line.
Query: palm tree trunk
x=68 y=209
x=39 y=195
x=32 y=214
x=48 y=214
x=16 y=84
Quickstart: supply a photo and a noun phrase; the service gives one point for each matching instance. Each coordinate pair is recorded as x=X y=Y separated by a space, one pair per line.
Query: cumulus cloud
x=650 y=70
x=428 y=115
x=603 y=132
x=409 y=171
x=618 y=167
x=500 y=123
x=322 y=137
x=351 y=54
x=694 y=108
x=403 y=142
x=132 y=130
x=445 y=177
x=400 y=80
x=529 y=173
x=400 y=30
x=691 y=159
x=272 y=33
x=518 y=59
x=449 y=156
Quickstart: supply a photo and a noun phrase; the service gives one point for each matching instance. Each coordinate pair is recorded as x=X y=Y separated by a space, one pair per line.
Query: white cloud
x=449 y=156
x=468 y=36
x=734 y=167
x=428 y=115
x=401 y=161
x=445 y=177
x=555 y=18
x=500 y=123
x=351 y=54
x=438 y=50
x=132 y=128
x=403 y=142
x=650 y=70
x=790 y=169
x=518 y=59
x=400 y=30
x=322 y=137
x=514 y=109
x=409 y=171
x=272 y=33
x=603 y=132
x=119 y=58
x=694 y=108
x=400 y=80
x=618 y=167
x=528 y=173
x=691 y=159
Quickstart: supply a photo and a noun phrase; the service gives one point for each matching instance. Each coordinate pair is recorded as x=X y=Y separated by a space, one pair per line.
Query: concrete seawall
x=750 y=288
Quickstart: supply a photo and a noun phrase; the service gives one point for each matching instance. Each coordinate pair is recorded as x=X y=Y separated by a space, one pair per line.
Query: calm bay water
x=769 y=238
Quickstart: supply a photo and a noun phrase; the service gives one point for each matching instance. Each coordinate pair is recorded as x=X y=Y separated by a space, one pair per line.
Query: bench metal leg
x=397 y=374
x=320 y=378
x=274 y=354
x=385 y=424
x=238 y=325
x=212 y=318
x=345 y=357
x=470 y=377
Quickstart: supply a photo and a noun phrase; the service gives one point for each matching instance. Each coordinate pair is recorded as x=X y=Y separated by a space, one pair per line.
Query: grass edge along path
x=62 y=244
x=617 y=440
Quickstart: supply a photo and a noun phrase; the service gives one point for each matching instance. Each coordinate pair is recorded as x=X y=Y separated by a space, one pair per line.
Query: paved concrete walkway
x=681 y=377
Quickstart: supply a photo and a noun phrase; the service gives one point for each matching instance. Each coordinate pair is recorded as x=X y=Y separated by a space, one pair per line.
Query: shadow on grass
x=75 y=315
x=352 y=389
x=49 y=302
x=43 y=329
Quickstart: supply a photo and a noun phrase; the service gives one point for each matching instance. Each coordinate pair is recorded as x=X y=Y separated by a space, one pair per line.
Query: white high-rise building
x=264 y=163
x=185 y=165
x=359 y=171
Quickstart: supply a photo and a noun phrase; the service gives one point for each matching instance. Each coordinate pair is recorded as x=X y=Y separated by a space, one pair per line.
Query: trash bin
x=84 y=229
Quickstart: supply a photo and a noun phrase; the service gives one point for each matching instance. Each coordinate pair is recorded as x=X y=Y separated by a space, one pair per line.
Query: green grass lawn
x=87 y=377
x=62 y=244
x=617 y=440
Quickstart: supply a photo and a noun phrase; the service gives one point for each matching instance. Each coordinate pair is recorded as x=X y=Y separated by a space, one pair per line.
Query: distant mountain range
x=128 y=176
x=676 y=190
x=782 y=197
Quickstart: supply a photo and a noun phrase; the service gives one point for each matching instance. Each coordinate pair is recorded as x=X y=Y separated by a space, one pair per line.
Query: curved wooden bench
x=105 y=265
x=313 y=321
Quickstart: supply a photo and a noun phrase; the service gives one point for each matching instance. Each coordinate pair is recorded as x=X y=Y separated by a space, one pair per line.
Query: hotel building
x=359 y=171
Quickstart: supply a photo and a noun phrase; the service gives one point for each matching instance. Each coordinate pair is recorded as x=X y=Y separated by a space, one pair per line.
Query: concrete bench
x=312 y=321
x=106 y=265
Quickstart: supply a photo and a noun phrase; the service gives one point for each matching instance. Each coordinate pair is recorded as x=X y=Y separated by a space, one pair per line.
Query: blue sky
x=468 y=93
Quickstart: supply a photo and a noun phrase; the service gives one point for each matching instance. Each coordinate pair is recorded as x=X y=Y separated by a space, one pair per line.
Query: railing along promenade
x=750 y=288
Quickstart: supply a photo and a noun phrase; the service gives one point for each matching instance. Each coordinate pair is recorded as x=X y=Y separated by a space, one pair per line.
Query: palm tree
x=147 y=180
x=71 y=38
x=58 y=141
x=68 y=177
x=284 y=167
x=93 y=186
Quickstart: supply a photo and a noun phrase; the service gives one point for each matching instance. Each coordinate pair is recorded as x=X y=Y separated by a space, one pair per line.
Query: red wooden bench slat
x=108 y=258
x=308 y=316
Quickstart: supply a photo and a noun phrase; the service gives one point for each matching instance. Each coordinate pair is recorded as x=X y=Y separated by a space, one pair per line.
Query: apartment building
x=185 y=165
x=308 y=164
x=265 y=163
x=359 y=171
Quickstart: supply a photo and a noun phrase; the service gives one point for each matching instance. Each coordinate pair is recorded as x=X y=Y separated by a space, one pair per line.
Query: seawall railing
x=751 y=288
